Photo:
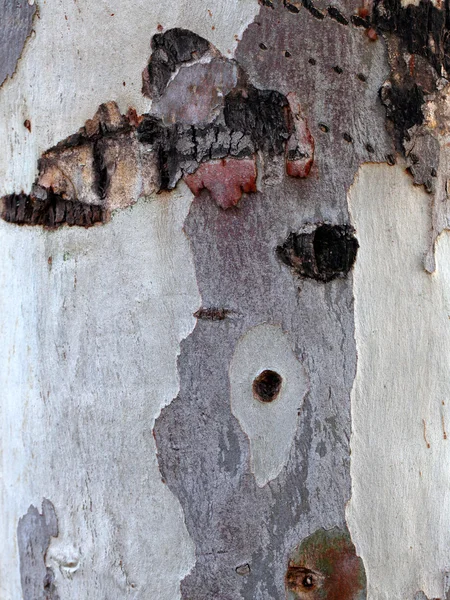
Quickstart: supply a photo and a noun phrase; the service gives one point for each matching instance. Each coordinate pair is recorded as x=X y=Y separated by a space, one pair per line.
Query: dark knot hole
x=267 y=386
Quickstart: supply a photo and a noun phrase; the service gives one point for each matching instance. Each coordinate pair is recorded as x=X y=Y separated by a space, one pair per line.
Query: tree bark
x=225 y=300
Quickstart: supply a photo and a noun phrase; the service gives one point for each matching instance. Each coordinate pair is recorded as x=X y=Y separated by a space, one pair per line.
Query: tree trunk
x=225 y=302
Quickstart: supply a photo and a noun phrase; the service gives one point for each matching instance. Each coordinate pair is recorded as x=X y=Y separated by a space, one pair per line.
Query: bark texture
x=221 y=372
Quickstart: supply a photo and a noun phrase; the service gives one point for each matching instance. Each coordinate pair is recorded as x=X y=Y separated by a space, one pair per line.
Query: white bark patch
x=270 y=426
x=85 y=53
x=92 y=322
x=399 y=513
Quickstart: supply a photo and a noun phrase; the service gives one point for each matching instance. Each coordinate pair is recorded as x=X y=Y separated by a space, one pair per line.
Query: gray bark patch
x=34 y=533
x=203 y=453
x=16 y=19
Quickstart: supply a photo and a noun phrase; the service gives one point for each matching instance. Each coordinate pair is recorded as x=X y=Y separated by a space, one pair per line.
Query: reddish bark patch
x=226 y=180
x=299 y=167
x=326 y=567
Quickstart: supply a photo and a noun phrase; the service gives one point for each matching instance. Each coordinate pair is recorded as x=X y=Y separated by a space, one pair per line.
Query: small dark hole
x=308 y=581
x=347 y=137
x=414 y=158
x=433 y=172
x=312 y=61
x=390 y=159
x=337 y=15
x=360 y=21
x=267 y=386
x=291 y=8
x=370 y=148
x=362 y=77
x=263 y=46
x=287 y=54
x=324 y=127
x=338 y=69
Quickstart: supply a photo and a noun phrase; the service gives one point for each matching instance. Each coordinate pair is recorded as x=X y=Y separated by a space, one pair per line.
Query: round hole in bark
x=267 y=386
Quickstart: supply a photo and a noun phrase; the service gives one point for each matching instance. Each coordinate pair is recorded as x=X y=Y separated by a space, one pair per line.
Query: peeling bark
x=209 y=348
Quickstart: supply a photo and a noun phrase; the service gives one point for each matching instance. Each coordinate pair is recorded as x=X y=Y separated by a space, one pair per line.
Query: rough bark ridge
x=91 y=173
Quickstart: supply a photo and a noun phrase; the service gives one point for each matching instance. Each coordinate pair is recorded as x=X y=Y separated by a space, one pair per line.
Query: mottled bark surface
x=189 y=268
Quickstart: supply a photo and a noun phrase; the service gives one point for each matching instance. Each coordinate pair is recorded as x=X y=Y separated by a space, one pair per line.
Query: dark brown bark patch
x=212 y=313
x=50 y=211
x=267 y=385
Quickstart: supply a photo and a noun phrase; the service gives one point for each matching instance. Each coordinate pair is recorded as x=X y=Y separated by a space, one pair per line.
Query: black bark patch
x=403 y=106
x=262 y=114
x=337 y=15
x=423 y=29
x=359 y=21
x=50 y=211
x=317 y=14
x=324 y=254
x=34 y=533
x=170 y=50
